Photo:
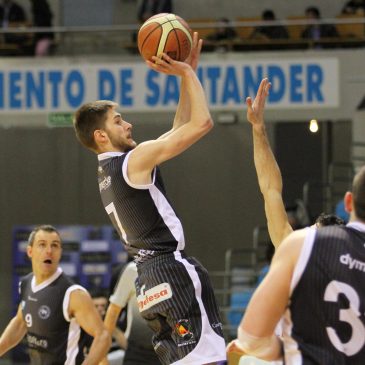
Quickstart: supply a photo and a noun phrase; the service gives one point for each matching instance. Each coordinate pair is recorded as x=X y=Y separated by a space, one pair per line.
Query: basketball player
x=138 y=337
x=316 y=284
x=174 y=291
x=52 y=309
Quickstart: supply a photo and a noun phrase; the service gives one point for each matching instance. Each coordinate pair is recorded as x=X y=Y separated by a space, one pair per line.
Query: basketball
x=165 y=33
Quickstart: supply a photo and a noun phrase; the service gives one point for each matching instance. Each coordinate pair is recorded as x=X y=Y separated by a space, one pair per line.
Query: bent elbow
x=208 y=125
x=267 y=348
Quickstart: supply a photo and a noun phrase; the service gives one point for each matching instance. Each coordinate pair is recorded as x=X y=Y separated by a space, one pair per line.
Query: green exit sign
x=60 y=119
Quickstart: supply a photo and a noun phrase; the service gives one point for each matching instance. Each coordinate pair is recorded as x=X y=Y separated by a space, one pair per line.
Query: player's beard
x=122 y=145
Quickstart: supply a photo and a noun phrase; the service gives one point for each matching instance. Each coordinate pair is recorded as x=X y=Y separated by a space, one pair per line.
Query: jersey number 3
x=350 y=315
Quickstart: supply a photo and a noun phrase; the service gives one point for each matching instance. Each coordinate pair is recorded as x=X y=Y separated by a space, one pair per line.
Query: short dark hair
x=98 y=293
x=324 y=220
x=44 y=227
x=268 y=15
x=358 y=192
x=90 y=117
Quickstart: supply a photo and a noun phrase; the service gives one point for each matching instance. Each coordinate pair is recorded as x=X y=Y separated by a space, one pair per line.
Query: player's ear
x=348 y=201
x=29 y=251
x=100 y=136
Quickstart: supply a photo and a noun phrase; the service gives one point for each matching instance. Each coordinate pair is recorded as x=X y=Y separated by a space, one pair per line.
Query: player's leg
x=179 y=304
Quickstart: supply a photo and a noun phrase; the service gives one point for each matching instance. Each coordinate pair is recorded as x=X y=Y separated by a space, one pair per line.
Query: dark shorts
x=176 y=298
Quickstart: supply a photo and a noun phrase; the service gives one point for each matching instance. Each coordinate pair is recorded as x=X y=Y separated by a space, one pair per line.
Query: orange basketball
x=165 y=33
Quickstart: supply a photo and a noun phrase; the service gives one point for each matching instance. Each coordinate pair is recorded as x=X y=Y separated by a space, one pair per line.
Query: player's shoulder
x=130 y=270
x=131 y=266
x=66 y=279
x=297 y=236
x=26 y=278
x=78 y=294
x=65 y=283
x=108 y=160
x=25 y=281
x=293 y=243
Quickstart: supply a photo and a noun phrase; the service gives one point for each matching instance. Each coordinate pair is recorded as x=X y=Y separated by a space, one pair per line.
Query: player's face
x=119 y=132
x=101 y=304
x=45 y=254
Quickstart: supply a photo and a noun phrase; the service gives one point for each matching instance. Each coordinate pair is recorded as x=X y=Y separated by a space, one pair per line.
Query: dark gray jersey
x=52 y=337
x=325 y=321
x=142 y=214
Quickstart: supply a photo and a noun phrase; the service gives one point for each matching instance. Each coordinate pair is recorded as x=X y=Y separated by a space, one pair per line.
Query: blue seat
x=239 y=302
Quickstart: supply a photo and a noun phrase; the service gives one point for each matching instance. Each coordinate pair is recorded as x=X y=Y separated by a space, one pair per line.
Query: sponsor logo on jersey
x=35 y=342
x=105 y=183
x=32 y=299
x=157 y=294
x=183 y=329
x=217 y=325
x=143 y=255
x=352 y=263
x=44 y=312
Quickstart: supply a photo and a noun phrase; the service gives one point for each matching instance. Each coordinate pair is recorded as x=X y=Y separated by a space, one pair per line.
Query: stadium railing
x=121 y=39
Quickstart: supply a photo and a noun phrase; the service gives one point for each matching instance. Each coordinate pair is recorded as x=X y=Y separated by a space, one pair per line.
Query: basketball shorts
x=176 y=298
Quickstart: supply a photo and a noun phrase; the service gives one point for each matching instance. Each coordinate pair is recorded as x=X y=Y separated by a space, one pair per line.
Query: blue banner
x=296 y=83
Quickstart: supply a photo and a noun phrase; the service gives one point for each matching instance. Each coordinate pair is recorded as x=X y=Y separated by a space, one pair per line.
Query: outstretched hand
x=193 y=58
x=255 y=109
x=167 y=65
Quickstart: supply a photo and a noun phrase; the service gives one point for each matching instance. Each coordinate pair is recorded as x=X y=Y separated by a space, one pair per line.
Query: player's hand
x=193 y=58
x=169 y=66
x=234 y=347
x=255 y=109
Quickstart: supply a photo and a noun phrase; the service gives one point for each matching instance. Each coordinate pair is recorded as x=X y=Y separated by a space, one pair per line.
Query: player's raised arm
x=183 y=109
x=268 y=172
x=171 y=34
x=151 y=153
x=182 y=114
